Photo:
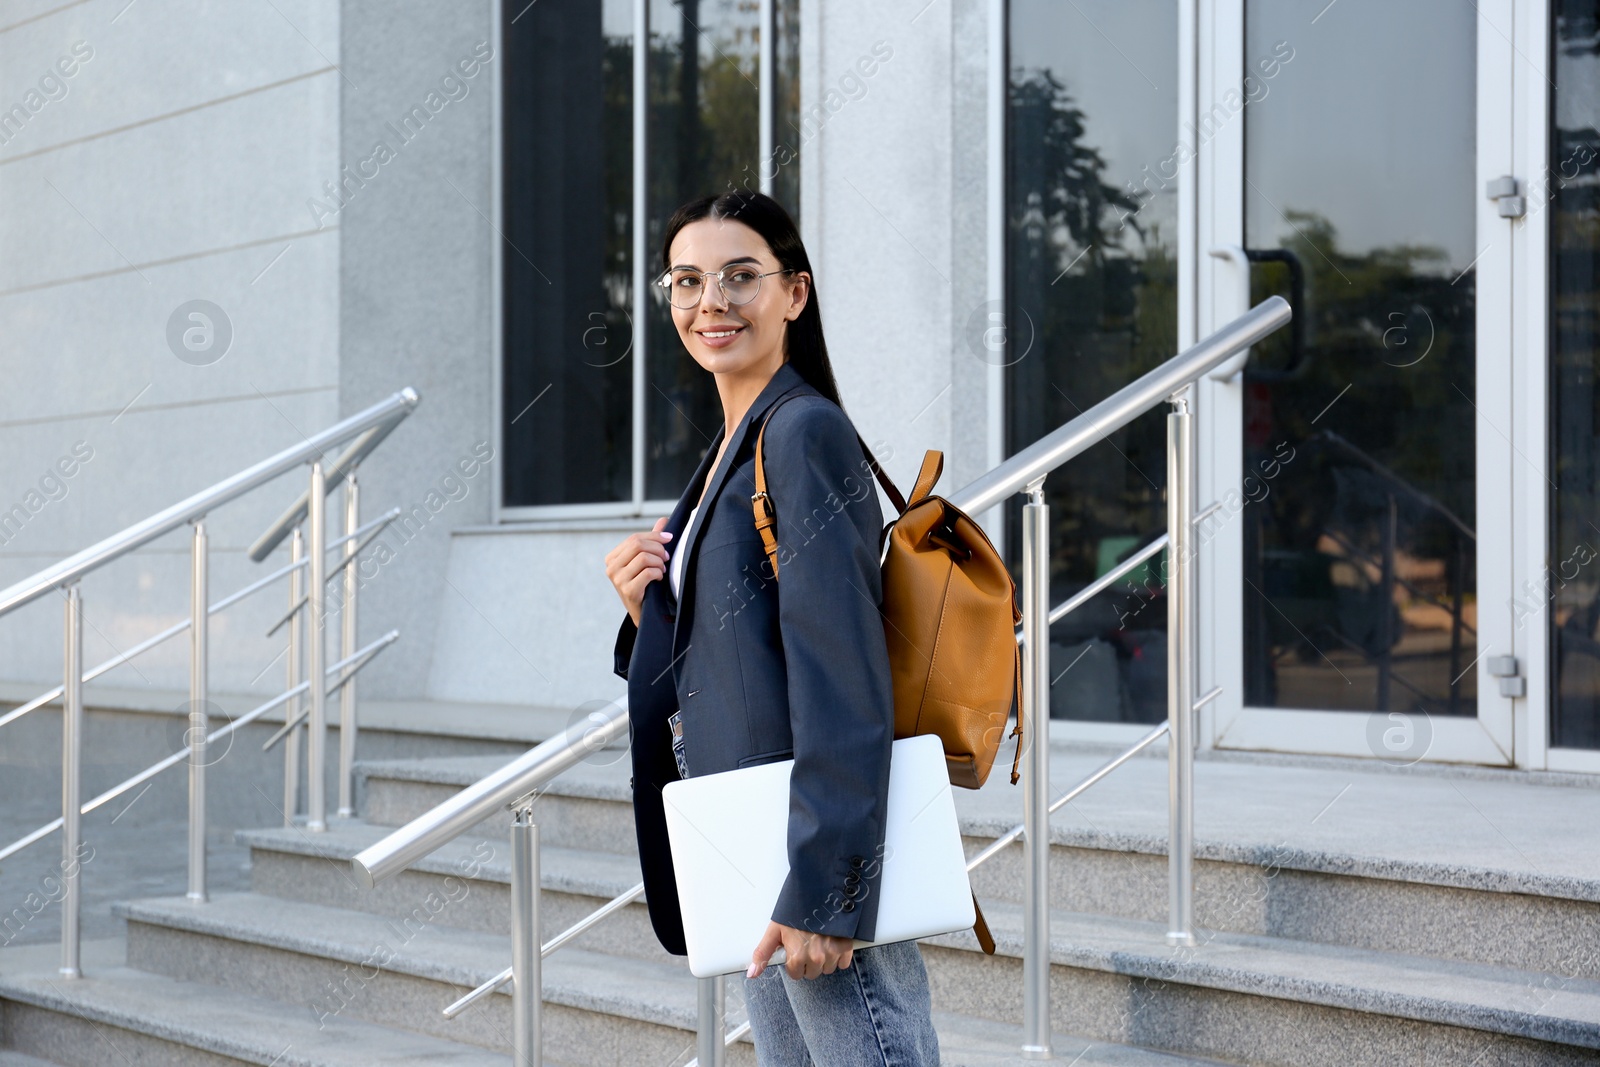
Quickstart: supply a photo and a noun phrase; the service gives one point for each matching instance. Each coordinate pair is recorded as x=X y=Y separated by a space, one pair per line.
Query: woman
x=763 y=669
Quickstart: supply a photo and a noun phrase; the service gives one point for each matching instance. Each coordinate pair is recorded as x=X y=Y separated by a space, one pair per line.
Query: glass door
x=1356 y=573
x=1557 y=600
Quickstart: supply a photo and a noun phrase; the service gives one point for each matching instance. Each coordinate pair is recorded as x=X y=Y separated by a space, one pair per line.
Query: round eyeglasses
x=739 y=284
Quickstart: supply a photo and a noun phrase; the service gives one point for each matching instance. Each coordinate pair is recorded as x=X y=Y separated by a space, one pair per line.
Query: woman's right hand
x=640 y=559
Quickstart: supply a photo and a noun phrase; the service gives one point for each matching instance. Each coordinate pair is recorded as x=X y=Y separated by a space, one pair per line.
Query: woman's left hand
x=809 y=955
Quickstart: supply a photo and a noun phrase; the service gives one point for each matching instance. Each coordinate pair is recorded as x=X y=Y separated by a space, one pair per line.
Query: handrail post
x=1181 y=618
x=291 y=743
x=347 y=648
x=71 y=783
x=710 y=1034
x=316 y=651
x=526 y=959
x=199 y=727
x=1036 y=786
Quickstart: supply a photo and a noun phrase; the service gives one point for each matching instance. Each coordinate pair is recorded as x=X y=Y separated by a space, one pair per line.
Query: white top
x=675 y=568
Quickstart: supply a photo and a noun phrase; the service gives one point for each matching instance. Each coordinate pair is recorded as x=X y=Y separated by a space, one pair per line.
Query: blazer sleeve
x=627 y=633
x=840 y=690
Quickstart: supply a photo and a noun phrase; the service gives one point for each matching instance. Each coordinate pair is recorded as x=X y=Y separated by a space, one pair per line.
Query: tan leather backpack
x=950 y=616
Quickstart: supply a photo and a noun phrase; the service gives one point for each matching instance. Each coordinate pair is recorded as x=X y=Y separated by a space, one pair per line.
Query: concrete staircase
x=307 y=968
x=1309 y=954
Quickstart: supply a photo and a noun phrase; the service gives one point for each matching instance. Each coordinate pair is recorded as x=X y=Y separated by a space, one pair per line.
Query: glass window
x=704 y=138
x=569 y=416
x=567 y=383
x=1360 y=207
x=1092 y=304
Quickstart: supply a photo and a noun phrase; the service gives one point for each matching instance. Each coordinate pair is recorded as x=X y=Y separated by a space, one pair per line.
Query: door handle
x=1300 y=357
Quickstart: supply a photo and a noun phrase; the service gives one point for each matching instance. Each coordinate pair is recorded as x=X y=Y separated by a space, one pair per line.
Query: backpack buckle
x=760 y=496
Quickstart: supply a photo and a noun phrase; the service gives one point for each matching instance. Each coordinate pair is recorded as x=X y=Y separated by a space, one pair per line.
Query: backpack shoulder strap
x=932 y=467
x=766 y=518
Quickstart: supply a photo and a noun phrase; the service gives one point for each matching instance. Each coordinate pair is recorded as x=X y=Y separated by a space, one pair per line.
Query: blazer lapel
x=783 y=381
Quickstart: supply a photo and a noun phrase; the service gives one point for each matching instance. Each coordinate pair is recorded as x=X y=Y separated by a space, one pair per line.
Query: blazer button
x=848 y=905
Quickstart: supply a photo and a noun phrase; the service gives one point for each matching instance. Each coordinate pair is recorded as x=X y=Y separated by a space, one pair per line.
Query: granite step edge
x=1449 y=992
x=585 y=872
x=207 y=1018
x=622 y=986
x=605 y=784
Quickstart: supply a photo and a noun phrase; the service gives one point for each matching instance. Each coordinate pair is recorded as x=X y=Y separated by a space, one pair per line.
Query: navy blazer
x=770 y=669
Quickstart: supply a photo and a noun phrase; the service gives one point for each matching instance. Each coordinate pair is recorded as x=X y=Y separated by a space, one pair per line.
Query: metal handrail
x=1102 y=583
x=367 y=427
x=347 y=461
x=354 y=662
x=1078 y=790
x=616 y=903
x=75 y=566
x=376 y=526
x=1120 y=408
x=179 y=627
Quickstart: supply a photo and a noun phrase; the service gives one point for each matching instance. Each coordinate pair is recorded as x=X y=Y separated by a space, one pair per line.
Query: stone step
x=599 y=1009
x=467 y=882
x=334 y=963
x=1233 y=997
x=1328 y=897
x=1525 y=919
x=116 y=1014
x=464 y=727
x=1270 y=1000
x=590 y=806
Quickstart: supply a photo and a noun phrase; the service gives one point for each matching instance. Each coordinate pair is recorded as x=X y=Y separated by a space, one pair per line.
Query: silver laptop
x=729 y=837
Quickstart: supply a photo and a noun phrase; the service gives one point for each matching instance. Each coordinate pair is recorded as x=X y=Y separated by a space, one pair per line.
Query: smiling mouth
x=729 y=332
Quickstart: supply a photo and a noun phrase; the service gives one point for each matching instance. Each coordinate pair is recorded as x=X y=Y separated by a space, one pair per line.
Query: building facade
x=226 y=226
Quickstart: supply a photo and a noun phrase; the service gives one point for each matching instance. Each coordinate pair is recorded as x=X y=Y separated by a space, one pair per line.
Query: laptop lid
x=729 y=838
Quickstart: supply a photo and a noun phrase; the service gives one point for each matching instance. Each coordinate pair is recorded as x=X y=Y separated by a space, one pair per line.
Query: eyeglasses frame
x=664 y=281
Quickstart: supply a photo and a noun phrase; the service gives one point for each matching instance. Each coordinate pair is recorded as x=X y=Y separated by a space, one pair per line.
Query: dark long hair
x=803 y=340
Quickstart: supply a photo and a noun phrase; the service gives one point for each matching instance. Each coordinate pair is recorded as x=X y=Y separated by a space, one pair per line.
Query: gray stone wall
x=153 y=156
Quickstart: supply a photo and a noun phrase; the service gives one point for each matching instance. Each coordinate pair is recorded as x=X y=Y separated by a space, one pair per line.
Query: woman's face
x=724 y=337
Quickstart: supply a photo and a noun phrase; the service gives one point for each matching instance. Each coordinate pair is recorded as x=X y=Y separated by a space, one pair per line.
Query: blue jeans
x=873 y=1013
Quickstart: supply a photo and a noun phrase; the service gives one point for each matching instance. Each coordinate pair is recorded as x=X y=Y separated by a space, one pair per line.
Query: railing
x=515 y=785
x=362 y=433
